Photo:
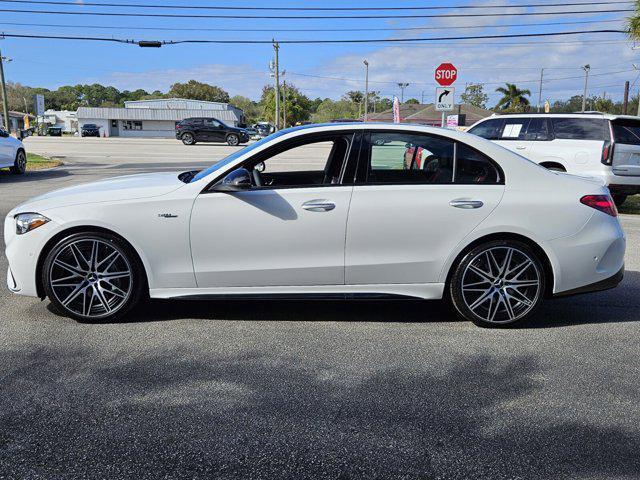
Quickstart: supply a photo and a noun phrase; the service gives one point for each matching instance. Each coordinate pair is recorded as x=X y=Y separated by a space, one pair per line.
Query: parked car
x=54 y=131
x=12 y=153
x=325 y=210
x=193 y=130
x=592 y=144
x=90 y=130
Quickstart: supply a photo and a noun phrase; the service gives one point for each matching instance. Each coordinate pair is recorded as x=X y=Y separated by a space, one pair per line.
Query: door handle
x=319 y=205
x=521 y=147
x=466 y=204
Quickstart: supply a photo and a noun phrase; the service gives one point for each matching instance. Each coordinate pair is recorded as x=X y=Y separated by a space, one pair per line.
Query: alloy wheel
x=20 y=164
x=187 y=139
x=501 y=284
x=91 y=278
x=233 y=140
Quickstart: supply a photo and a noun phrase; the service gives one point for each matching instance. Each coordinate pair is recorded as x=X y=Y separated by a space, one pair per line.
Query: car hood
x=112 y=189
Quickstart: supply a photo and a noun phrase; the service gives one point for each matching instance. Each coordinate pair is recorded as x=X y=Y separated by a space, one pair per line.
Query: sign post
x=445 y=75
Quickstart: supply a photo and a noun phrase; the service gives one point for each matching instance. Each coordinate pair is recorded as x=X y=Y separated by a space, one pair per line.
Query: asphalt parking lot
x=310 y=389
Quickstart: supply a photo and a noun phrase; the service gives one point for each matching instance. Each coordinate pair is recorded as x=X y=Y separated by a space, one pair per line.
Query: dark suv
x=192 y=130
x=90 y=130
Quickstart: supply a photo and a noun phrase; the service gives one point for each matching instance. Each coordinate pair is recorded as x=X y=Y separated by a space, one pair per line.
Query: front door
x=213 y=130
x=417 y=196
x=287 y=230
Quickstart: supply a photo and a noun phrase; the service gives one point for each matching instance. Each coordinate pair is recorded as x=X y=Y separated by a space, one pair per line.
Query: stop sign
x=446 y=74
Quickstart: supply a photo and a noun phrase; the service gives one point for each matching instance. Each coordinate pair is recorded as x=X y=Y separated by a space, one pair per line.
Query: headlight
x=25 y=222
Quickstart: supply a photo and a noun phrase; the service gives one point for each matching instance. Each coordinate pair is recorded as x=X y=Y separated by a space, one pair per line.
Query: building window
x=132 y=125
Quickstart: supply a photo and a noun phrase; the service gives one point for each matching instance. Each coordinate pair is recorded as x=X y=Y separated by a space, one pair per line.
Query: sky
x=323 y=70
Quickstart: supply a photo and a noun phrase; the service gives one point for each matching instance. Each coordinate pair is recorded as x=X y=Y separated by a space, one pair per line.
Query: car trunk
x=626 y=153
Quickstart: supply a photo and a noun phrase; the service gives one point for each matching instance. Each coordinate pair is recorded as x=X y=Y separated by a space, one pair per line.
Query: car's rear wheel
x=20 y=163
x=93 y=276
x=498 y=283
x=233 y=139
x=188 y=139
x=619 y=199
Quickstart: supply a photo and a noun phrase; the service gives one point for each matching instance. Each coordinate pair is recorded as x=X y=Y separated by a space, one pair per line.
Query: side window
x=514 y=128
x=472 y=167
x=579 y=128
x=211 y=122
x=489 y=129
x=401 y=158
x=197 y=122
x=310 y=164
x=538 y=129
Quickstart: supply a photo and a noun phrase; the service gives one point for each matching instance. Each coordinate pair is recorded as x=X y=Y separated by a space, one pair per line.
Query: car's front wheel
x=93 y=276
x=20 y=163
x=188 y=139
x=233 y=139
x=498 y=283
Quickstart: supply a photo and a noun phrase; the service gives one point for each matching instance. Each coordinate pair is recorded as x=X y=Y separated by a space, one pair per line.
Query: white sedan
x=12 y=153
x=347 y=210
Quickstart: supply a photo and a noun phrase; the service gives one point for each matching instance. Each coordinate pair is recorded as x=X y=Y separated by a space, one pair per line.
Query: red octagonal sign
x=446 y=74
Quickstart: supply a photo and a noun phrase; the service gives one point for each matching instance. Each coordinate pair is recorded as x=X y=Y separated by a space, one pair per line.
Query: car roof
x=608 y=116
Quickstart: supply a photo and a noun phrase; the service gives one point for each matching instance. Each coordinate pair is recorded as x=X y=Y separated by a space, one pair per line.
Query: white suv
x=12 y=153
x=593 y=144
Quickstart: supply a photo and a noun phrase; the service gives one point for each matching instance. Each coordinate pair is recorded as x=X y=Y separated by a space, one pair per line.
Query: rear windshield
x=579 y=128
x=626 y=132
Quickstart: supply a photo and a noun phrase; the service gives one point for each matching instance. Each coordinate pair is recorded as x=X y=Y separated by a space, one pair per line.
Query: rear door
x=513 y=135
x=577 y=143
x=412 y=204
x=213 y=130
x=626 y=153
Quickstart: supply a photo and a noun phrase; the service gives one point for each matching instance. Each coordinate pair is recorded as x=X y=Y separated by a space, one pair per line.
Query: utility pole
x=276 y=47
x=402 y=86
x=625 y=102
x=540 y=89
x=586 y=69
x=284 y=103
x=422 y=97
x=366 y=90
x=5 y=101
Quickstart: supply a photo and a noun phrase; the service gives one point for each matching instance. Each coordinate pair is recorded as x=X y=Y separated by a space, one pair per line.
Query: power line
x=278 y=29
x=221 y=7
x=254 y=42
x=315 y=17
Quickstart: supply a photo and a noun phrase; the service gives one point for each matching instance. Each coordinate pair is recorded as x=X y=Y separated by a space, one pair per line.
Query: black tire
x=619 y=200
x=233 y=140
x=121 y=294
x=188 y=138
x=494 y=299
x=20 y=163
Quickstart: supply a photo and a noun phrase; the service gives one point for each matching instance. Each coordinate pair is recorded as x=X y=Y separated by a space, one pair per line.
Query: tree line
x=296 y=106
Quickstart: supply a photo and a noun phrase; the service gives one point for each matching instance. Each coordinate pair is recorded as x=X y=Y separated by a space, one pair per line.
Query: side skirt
x=428 y=291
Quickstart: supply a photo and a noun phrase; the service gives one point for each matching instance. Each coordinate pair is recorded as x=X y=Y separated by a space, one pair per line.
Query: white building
x=155 y=118
x=65 y=119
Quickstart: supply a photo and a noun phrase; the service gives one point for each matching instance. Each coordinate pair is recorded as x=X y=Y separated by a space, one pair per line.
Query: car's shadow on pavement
x=621 y=304
x=32 y=176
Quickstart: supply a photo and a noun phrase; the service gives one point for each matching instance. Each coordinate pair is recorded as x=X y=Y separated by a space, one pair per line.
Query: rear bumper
x=593 y=256
x=606 y=284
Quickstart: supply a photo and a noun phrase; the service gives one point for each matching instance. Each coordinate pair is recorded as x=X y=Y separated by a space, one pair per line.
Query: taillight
x=607 y=153
x=604 y=203
x=178 y=127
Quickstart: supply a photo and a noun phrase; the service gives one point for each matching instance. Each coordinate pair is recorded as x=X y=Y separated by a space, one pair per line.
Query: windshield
x=237 y=154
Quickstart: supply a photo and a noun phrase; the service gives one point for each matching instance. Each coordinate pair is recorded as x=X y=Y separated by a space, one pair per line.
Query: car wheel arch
x=82 y=229
x=549 y=272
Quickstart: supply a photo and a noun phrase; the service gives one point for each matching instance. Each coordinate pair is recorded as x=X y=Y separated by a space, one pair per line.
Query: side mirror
x=260 y=167
x=237 y=181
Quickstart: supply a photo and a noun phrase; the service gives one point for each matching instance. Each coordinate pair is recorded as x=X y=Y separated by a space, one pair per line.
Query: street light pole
x=366 y=90
x=402 y=86
x=5 y=101
x=586 y=69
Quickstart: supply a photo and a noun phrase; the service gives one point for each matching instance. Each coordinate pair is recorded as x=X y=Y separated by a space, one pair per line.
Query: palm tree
x=513 y=98
x=633 y=23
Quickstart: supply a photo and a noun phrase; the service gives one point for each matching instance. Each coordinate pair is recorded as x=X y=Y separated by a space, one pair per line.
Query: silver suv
x=592 y=144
